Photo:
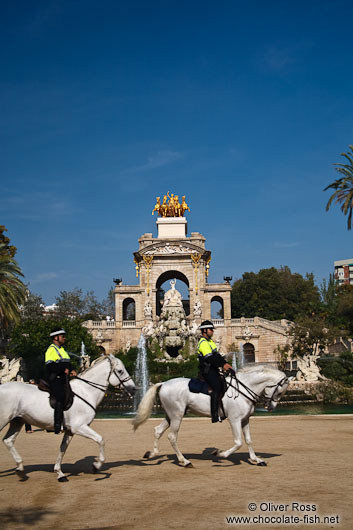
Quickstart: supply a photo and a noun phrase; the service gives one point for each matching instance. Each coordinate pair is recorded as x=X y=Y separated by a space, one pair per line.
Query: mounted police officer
x=210 y=361
x=58 y=364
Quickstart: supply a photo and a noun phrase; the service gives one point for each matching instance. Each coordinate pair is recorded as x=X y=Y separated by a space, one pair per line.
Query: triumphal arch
x=164 y=316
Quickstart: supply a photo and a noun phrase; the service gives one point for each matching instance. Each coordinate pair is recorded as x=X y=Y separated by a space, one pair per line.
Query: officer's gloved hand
x=227 y=367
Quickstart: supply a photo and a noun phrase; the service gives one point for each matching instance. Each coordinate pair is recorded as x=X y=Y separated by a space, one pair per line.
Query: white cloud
x=160 y=159
x=44 y=276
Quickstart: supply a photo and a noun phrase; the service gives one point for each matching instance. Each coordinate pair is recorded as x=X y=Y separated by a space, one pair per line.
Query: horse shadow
x=84 y=466
x=209 y=454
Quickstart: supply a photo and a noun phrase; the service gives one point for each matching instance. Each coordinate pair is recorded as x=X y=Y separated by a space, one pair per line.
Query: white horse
x=251 y=385
x=21 y=403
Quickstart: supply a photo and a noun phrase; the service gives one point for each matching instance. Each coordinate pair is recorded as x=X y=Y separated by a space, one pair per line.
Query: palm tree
x=343 y=187
x=12 y=289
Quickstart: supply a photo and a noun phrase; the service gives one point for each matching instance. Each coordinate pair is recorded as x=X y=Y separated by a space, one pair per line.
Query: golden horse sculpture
x=173 y=208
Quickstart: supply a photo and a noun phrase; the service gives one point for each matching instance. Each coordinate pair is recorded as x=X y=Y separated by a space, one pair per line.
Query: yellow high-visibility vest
x=206 y=347
x=55 y=354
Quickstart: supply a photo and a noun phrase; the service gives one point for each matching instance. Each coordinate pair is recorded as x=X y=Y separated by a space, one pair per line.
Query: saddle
x=198 y=385
x=69 y=395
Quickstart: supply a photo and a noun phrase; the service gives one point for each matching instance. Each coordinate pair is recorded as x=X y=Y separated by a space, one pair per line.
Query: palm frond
x=343 y=187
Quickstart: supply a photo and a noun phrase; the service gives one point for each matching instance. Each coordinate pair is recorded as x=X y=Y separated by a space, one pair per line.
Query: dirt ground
x=310 y=461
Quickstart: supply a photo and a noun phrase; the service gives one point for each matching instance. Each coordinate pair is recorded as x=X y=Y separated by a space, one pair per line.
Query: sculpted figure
x=164 y=207
x=148 y=330
x=148 y=309
x=183 y=206
x=177 y=207
x=171 y=206
x=197 y=309
x=10 y=370
x=157 y=207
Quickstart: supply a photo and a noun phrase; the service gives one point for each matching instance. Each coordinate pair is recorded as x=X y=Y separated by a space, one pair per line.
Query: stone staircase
x=296 y=397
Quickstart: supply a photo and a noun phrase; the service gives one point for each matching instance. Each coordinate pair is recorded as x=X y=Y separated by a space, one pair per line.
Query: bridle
x=251 y=395
x=282 y=382
x=104 y=388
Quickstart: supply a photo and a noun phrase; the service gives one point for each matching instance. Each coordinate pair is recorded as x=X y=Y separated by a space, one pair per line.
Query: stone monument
x=174 y=255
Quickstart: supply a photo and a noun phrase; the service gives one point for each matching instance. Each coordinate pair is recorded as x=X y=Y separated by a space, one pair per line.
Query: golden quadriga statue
x=171 y=208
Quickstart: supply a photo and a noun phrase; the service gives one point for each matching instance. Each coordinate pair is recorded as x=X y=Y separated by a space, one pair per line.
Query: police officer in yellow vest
x=210 y=361
x=58 y=364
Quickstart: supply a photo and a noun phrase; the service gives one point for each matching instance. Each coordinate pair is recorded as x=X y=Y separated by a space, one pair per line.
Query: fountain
x=240 y=361
x=234 y=361
x=84 y=357
x=171 y=329
x=141 y=377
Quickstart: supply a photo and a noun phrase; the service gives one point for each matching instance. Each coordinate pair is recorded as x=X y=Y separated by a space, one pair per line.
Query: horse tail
x=145 y=407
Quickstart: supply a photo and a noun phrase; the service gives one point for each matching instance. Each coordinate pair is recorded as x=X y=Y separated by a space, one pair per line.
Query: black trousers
x=57 y=386
x=213 y=380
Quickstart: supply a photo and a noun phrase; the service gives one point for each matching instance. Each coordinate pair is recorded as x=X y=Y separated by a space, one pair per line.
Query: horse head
x=119 y=376
x=273 y=392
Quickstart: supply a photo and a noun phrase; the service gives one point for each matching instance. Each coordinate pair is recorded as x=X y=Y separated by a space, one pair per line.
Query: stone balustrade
x=129 y=324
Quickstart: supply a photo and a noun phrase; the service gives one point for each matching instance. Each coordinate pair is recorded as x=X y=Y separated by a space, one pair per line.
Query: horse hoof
x=21 y=474
x=262 y=464
x=94 y=469
x=63 y=479
x=147 y=454
x=189 y=465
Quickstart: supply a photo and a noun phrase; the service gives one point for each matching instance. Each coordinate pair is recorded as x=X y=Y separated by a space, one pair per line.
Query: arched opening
x=217 y=308
x=249 y=353
x=102 y=350
x=182 y=285
x=129 y=309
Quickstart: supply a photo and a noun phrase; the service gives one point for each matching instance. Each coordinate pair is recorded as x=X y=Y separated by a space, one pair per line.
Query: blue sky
x=243 y=106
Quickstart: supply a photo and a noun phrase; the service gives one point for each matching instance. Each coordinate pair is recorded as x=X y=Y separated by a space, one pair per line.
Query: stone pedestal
x=171 y=227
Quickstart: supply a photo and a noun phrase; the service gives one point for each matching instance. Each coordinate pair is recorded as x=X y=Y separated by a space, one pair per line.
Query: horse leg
x=158 y=432
x=173 y=436
x=253 y=458
x=87 y=432
x=63 y=447
x=236 y=429
x=9 y=440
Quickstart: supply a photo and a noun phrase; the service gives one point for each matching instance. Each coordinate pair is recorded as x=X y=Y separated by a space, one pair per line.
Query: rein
x=254 y=398
x=104 y=388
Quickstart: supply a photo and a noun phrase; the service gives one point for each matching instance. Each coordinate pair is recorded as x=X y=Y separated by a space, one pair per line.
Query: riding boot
x=214 y=406
x=58 y=417
x=222 y=414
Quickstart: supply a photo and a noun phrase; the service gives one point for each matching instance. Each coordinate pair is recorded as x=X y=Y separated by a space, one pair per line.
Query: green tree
x=108 y=304
x=32 y=308
x=9 y=249
x=343 y=187
x=338 y=368
x=12 y=289
x=74 y=304
x=274 y=294
x=329 y=298
x=345 y=306
x=92 y=309
x=70 y=304
x=31 y=338
x=310 y=335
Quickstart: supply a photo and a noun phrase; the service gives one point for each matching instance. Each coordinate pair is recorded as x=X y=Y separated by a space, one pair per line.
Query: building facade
x=344 y=271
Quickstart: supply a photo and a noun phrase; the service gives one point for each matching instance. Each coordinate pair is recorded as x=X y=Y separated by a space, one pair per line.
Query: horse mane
x=94 y=363
x=257 y=367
